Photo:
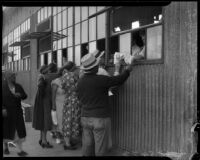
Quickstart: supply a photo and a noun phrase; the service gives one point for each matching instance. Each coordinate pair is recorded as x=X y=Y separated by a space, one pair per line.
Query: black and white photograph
x=97 y=80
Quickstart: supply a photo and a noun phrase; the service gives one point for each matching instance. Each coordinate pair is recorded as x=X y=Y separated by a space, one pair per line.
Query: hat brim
x=101 y=54
x=92 y=66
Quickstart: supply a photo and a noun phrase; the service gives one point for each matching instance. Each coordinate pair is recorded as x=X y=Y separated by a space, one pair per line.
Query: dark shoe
x=22 y=154
x=6 y=151
x=46 y=145
x=69 y=147
x=40 y=142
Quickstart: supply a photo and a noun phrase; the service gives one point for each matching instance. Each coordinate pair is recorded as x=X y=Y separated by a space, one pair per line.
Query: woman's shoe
x=69 y=147
x=46 y=145
x=22 y=154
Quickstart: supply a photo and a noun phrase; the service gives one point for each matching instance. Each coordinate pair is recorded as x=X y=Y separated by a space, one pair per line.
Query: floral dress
x=71 y=109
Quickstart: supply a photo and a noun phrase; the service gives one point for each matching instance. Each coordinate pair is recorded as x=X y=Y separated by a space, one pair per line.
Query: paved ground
x=33 y=149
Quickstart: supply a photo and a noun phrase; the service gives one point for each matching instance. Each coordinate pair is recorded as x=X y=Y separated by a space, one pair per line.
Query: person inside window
x=138 y=44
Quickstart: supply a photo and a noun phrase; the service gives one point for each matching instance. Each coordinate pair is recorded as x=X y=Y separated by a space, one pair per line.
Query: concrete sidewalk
x=33 y=149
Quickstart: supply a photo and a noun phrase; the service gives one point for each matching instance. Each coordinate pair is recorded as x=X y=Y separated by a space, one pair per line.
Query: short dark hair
x=43 y=69
x=52 y=67
x=68 y=66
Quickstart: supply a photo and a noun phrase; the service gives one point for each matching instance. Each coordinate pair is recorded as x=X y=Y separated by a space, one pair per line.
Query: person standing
x=71 y=110
x=38 y=110
x=58 y=98
x=47 y=103
x=13 y=120
x=92 y=90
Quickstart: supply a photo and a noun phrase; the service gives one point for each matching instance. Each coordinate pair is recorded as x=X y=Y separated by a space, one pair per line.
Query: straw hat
x=98 y=54
x=89 y=61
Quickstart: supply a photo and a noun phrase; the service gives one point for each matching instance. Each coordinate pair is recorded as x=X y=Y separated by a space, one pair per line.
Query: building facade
x=152 y=113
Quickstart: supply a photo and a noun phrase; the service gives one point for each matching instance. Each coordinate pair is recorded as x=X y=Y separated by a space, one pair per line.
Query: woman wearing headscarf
x=71 y=109
x=13 y=121
x=38 y=110
x=47 y=103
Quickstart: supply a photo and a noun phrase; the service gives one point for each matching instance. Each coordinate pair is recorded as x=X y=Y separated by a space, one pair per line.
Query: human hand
x=129 y=67
x=4 y=112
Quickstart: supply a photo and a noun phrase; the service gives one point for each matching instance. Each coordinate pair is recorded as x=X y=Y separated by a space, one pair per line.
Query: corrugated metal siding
x=153 y=112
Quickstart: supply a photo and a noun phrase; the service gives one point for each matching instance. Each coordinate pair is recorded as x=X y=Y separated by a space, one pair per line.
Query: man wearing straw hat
x=92 y=90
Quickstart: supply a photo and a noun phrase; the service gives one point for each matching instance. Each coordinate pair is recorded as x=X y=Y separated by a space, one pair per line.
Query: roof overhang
x=38 y=35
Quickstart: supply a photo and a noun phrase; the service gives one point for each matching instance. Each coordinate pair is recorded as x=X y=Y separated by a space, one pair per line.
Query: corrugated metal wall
x=153 y=112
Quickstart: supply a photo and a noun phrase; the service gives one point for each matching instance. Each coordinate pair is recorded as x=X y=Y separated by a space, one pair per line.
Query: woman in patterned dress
x=71 y=109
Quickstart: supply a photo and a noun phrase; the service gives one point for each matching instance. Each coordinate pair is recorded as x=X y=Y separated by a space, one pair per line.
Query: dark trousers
x=95 y=137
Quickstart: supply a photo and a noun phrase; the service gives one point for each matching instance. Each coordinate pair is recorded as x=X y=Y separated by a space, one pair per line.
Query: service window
x=140 y=33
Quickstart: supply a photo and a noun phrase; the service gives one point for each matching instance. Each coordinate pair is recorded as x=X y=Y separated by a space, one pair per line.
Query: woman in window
x=71 y=109
x=138 y=44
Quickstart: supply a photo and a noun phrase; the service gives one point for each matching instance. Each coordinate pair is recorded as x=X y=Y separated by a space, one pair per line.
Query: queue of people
x=70 y=103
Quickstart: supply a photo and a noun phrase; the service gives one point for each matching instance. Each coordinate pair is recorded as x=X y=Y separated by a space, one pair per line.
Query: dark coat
x=38 y=110
x=14 y=120
x=47 y=100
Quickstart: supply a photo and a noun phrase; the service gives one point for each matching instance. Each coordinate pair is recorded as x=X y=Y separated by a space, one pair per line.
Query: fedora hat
x=89 y=61
x=98 y=54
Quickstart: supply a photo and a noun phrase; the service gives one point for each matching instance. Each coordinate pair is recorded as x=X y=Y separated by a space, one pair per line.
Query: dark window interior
x=64 y=56
x=145 y=15
x=114 y=47
x=84 y=49
x=45 y=44
x=54 y=57
x=25 y=51
x=46 y=59
x=101 y=45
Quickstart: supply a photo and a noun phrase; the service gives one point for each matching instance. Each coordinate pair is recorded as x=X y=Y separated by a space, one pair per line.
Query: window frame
x=145 y=27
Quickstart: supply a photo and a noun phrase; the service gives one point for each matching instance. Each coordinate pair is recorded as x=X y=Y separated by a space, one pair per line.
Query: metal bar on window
x=101 y=11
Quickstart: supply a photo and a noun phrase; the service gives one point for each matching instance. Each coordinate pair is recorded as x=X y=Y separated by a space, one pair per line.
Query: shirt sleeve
x=116 y=80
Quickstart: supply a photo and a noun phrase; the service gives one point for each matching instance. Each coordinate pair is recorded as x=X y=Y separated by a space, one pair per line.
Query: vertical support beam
x=51 y=23
x=107 y=38
x=33 y=59
x=73 y=33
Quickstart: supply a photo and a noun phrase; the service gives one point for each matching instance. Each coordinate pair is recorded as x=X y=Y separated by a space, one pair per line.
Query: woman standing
x=47 y=103
x=58 y=98
x=13 y=120
x=71 y=109
x=38 y=111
